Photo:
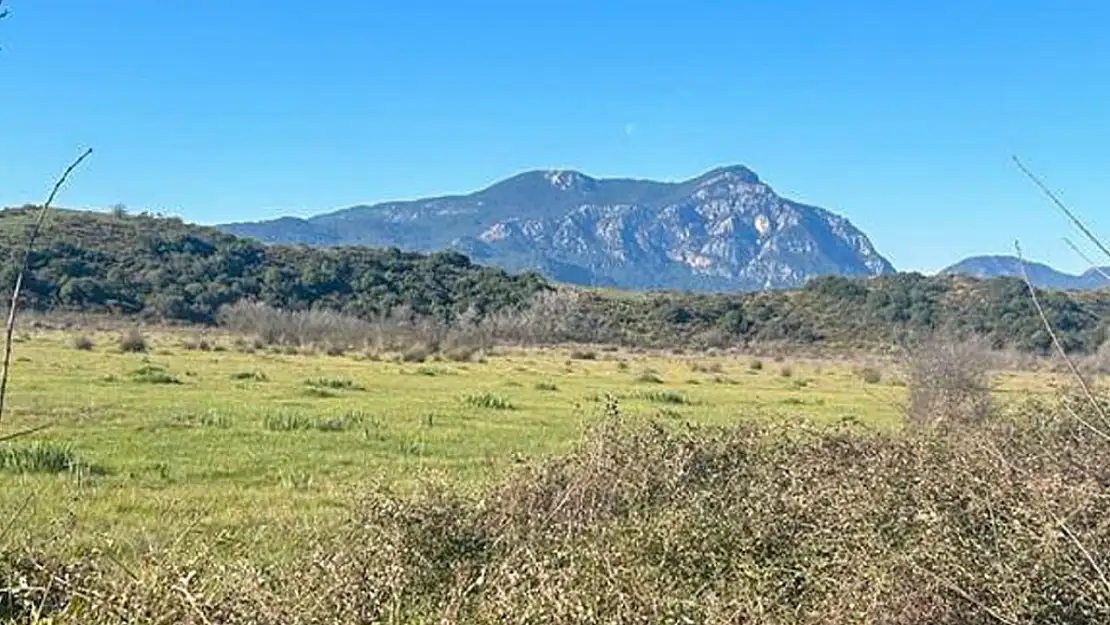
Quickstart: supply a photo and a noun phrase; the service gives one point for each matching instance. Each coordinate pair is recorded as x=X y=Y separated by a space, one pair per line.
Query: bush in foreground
x=646 y=523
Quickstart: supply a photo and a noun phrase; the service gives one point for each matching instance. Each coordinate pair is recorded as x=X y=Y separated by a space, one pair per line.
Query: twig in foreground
x=31 y=238
x=1058 y=345
x=1091 y=263
x=1060 y=205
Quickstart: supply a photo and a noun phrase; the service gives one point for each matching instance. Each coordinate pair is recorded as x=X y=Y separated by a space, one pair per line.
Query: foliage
x=348 y=297
x=163 y=268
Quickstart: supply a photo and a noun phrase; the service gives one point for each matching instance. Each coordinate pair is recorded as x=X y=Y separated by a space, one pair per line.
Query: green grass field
x=256 y=448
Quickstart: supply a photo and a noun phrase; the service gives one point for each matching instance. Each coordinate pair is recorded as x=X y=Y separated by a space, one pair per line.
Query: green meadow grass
x=221 y=447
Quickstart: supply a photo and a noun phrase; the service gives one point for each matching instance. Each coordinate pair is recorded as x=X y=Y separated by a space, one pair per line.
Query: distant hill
x=725 y=230
x=1041 y=275
x=164 y=268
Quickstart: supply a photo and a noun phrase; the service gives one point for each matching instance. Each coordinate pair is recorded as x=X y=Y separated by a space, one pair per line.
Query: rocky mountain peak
x=732 y=174
x=722 y=230
x=568 y=179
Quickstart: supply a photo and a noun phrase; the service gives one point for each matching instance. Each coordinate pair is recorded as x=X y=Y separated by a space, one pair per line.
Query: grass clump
x=786 y=371
x=583 y=354
x=649 y=376
x=295 y=422
x=755 y=365
x=204 y=418
x=664 y=397
x=249 y=376
x=37 y=457
x=133 y=341
x=338 y=384
x=287 y=422
x=488 y=401
x=548 y=387
x=153 y=374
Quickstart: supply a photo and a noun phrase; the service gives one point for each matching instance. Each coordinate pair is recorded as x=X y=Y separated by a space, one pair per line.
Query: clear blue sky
x=901 y=115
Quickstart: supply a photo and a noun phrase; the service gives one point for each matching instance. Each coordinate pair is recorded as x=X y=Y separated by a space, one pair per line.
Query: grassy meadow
x=257 y=445
x=201 y=477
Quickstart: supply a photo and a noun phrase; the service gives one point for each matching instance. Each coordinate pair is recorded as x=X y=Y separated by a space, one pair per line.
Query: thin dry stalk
x=1090 y=263
x=1086 y=388
x=1063 y=207
x=32 y=236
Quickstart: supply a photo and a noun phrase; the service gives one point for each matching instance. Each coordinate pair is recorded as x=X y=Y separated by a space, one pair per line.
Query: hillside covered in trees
x=164 y=269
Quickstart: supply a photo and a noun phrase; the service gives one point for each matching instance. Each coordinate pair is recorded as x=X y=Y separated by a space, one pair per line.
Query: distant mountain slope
x=723 y=230
x=1040 y=274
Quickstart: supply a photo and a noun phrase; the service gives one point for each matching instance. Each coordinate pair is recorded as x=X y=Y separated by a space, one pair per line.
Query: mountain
x=723 y=230
x=1040 y=275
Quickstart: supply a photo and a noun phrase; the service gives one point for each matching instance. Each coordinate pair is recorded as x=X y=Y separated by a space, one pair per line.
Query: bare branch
x=1063 y=207
x=1092 y=264
x=22 y=433
x=1060 y=347
x=32 y=236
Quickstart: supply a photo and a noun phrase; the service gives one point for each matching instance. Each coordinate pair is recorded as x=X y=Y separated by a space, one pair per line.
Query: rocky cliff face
x=724 y=230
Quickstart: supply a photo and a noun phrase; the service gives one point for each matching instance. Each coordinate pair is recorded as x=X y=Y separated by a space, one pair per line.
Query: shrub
x=83 y=343
x=583 y=354
x=546 y=386
x=948 y=383
x=1102 y=359
x=415 y=354
x=870 y=375
x=132 y=341
x=755 y=365
x=461 y=353
x=713 y=367
x=786 y=371
x=197 y=344
x=649 y=376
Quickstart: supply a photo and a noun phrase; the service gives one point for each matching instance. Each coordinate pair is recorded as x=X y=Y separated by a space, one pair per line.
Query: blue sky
x=900 y=115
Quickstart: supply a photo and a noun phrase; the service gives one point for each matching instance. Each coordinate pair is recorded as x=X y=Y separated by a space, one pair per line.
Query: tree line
x=164 y=269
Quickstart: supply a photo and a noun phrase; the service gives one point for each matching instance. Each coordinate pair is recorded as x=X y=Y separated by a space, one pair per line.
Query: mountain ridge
x=724 y=229
x=1040 y=274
